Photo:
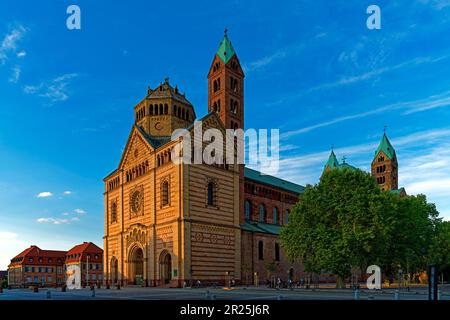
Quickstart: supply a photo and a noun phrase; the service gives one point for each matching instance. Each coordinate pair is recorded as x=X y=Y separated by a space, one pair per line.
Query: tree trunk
x=340 y=283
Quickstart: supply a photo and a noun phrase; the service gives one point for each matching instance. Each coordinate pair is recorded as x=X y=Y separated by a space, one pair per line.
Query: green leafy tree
x=335 y=224
x=347 y=221
x=439 y=251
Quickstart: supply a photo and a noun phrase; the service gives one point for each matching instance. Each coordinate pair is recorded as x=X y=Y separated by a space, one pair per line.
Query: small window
x=114 y=212
x=262 y=213
x=275 y=215
x=260 y=250
x=277 y=252
x=165 y=193
x=248 y=209
x=211 y=194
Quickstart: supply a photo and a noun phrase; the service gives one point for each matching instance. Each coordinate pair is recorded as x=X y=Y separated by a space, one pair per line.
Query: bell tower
x=226 y=86
x=385 y=165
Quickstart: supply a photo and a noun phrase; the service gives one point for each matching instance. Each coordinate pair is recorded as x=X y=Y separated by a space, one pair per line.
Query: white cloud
x=56 y=221
x=45 y=194
x=10 y=42
x=15 y=75
x=66 y=193
x=21 y=54
x=80 y=211
x=55 y=90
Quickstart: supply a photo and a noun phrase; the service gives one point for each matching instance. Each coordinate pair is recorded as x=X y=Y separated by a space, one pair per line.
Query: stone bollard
x=356 y=294
x=396 y=295
x=49 y=294
x=35 y=289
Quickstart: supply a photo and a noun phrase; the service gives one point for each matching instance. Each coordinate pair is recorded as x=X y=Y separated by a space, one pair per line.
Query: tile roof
x=260 y=227
x=272 y=181
x=85 y=247
x=386 y=147
x=226 y=50
x=165 y=90
x=154 y=141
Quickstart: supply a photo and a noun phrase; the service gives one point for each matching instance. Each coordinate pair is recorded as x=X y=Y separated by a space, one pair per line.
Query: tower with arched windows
x=226 y=86
x=164 y=110
x=385 y=165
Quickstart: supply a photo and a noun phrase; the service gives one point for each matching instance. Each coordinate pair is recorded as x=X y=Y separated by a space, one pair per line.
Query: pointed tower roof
x=386 y=147
x=226 y=50
x=332 y=162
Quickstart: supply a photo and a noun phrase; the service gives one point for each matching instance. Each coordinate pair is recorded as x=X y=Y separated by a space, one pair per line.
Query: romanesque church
x=171 y=224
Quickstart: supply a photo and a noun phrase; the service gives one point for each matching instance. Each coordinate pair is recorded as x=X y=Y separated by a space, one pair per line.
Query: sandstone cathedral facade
x=170 y=223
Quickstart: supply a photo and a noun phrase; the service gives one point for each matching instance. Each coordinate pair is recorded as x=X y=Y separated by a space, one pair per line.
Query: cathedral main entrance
x=165 y=268
x=136 y=266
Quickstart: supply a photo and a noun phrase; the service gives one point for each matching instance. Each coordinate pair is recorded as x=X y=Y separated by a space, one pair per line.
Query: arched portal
x=165 y=267
x=136 y=266
x=114 y=275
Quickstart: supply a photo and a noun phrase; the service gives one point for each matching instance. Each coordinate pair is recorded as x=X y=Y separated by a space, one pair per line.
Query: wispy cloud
x=437 y=4
x=80 y=211
x=371 y=74
x=10 y=42
x=264 y=61
x=408 y=107
x=55 y=90
x=45 y=194
x=377 y=72
x=56 y=221
x=14 y=78
x=66 y=193
x=425 y=170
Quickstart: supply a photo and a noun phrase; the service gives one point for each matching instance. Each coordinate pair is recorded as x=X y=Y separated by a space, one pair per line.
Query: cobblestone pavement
x=251 y=293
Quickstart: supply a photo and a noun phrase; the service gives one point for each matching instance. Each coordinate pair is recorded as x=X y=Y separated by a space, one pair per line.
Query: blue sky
x=313 y=70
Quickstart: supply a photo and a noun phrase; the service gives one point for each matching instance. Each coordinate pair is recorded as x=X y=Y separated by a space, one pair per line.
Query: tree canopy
x=347 y=221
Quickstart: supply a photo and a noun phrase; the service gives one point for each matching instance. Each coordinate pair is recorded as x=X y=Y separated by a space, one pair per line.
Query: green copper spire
x=386 y=147
x=225 y=51
x=332 y=162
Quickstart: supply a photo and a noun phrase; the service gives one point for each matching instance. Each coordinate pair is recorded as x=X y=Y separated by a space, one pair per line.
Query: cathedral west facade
x=170 y=223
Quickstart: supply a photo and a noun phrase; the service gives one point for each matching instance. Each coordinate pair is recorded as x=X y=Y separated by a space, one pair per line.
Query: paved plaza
x=239 y=293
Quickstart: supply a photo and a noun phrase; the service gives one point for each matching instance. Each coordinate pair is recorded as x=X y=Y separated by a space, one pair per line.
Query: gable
x=136 y=148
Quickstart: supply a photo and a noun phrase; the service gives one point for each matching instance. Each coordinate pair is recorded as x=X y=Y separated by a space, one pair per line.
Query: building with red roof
x=89 y=259
x=35 y=266
x=48 y=268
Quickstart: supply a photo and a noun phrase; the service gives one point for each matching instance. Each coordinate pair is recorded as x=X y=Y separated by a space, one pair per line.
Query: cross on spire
x=225 y=32
x=385 y=127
